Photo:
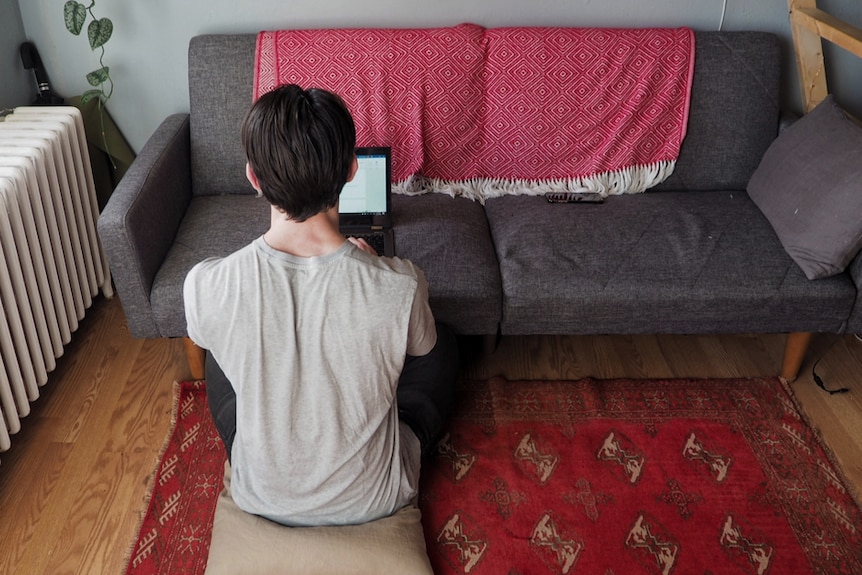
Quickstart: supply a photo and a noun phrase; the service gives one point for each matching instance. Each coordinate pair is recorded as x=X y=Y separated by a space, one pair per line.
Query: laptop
x=364 y=208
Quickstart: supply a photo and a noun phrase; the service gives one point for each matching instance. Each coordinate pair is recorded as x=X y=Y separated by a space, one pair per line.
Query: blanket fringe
x=632 y=180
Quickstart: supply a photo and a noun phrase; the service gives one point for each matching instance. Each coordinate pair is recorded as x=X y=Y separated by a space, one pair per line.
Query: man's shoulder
x=223 y=264
x=394 y=265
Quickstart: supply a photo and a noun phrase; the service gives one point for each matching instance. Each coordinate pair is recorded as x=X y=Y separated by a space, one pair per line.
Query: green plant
x=99 y=32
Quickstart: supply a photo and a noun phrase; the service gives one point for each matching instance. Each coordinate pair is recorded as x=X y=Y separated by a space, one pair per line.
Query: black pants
x=424 y=394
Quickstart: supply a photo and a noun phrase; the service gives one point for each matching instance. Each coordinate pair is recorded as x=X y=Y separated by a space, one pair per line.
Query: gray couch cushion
x=448 y=238
x=214 y=226
x=221 y=71
x=734 y=112
x=809 y=187
x=659 y=262
x=460 y=264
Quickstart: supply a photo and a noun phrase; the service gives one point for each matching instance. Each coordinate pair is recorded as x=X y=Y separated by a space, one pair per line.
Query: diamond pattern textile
x=518 y=104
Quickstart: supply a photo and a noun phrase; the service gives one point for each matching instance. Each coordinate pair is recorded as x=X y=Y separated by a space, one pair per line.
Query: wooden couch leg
x=795 y=347
x=196 y=357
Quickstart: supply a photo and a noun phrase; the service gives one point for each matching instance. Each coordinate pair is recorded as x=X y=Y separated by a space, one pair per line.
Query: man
x=314 y=343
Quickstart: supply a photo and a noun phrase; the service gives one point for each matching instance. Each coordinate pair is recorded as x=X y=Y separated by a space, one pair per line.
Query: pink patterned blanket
x=516 y=105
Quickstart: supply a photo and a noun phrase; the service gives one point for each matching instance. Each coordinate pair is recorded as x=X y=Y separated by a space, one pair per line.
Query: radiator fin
x=51 y=261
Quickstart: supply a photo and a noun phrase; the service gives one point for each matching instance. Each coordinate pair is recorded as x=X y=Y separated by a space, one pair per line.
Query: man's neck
x=316 y=236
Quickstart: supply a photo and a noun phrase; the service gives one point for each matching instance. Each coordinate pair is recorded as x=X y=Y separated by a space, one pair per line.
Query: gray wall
x=17 y=85
x=147 y=55
x=843 y=69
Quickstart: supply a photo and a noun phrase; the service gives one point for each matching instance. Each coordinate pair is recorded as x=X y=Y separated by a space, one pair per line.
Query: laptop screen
x=366 y=198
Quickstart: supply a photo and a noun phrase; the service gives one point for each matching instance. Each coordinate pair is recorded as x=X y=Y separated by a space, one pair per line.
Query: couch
x=692 y=255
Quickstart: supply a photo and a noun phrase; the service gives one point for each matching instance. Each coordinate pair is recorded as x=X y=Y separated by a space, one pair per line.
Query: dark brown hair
x=300 y=145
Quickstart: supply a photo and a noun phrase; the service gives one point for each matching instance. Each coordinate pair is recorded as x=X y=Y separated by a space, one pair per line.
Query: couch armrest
x=854 y=324
x=140 y=221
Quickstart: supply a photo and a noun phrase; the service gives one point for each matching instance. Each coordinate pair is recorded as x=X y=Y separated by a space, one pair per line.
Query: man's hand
x=362 y=245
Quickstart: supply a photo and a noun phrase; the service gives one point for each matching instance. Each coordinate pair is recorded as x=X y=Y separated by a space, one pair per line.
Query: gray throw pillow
x=809 y=187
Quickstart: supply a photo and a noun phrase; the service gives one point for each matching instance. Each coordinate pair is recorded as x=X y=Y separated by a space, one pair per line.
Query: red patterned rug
x=596 y=477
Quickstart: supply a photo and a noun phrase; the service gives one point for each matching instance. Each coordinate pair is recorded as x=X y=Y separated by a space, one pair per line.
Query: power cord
x=723 y=12
x=818 y=380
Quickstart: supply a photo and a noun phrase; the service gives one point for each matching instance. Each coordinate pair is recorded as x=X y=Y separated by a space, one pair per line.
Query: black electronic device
x=32 y=61
x=574 y=198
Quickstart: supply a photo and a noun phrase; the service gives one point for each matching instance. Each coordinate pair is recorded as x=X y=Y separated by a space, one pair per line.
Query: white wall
x=147 y=54
x=17 y=85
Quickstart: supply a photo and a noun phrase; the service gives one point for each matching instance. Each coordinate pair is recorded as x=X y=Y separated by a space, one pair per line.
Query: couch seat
x=658 y=262
x=460 y=264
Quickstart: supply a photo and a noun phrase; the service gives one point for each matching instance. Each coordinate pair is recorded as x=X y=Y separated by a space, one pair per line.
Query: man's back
x=314 y=348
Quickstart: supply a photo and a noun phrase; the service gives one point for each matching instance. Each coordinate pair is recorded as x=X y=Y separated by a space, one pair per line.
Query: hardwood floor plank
x=142 y=410
x=77 y=551
x=631 y=351
x=93 y=360
x=29 y=492
x=838 y=418
x=131 y=432
x=105 y=378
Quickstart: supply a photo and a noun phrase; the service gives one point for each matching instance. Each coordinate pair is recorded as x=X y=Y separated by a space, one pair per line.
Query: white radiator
x=51 y=261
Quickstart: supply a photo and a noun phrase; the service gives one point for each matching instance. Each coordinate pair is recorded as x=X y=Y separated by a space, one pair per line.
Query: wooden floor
x=73 y=487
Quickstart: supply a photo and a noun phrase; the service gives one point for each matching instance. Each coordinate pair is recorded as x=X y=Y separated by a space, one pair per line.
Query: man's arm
x=422 y=332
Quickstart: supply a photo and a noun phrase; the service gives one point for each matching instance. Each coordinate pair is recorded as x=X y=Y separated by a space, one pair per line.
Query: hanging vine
x=99 y=31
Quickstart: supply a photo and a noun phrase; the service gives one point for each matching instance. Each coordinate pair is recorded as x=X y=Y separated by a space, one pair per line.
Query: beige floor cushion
x=247 y=544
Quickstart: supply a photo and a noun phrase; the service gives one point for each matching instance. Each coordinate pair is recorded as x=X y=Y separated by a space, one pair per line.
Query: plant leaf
x=98 y=77
x=99 y=31
x=89 y=95
x=74 y=14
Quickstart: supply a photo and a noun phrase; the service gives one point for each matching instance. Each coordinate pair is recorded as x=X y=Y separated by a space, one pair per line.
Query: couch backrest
x=733 y=115
x=221 y=73
x=734 y=111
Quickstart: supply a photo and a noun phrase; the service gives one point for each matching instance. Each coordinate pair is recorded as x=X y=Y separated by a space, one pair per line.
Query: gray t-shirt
x=314 y=348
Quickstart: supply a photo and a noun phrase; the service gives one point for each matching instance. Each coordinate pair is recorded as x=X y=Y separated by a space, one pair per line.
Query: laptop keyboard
x=374 y=239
